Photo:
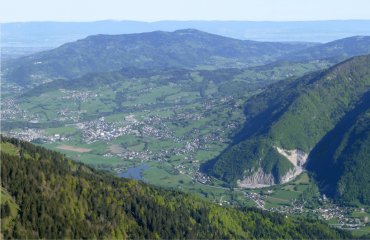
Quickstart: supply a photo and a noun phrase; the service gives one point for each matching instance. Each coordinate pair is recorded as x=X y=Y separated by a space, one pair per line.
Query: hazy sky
x=157 y=10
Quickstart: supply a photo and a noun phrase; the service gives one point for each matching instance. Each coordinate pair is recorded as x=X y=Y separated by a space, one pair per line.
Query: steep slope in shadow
x=265 y=108
x=294 y=115
x=327 y=158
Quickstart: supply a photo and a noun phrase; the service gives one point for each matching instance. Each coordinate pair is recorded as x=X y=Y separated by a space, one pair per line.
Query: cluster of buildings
x=212 y=137
x=165 y=133
x=64 y=112
x=10 y=87
x=11 y=110
x=104 y=131
x=232 y=124
x=26 y=135
x=144 y=155
x=144 y=90
x=10 y=103
x=9 y=113
x=177 y=84
x=82 y=95
x=6 y=111
x=210 y=104
x=189 y=116
x=329 y=211
x=226 y=99
x=72 y=118
x=33 y=134
x=201 y=177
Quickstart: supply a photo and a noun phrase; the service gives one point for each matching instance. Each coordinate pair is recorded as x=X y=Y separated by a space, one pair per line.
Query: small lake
x=135 y=172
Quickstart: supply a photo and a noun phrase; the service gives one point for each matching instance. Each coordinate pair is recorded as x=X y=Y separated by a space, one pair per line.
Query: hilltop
x=188 y=48
x=318 y=121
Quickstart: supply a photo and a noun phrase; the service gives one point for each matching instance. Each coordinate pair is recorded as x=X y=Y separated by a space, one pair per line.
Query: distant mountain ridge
x=41 y=34
x=187 y=48
x=350 y=47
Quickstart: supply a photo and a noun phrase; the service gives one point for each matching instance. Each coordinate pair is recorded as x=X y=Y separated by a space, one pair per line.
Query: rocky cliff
x=296 y=156
x=259 y=177
x=262 y=179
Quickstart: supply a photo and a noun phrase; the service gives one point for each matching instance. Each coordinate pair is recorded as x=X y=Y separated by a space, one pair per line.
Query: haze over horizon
x=160 y=10
x=43 y=23
x=196 y=119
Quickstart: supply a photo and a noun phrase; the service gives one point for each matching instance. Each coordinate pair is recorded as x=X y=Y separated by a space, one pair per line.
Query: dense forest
x=59 y=198
x=181 y=49
x=188 y=49
x=305 y=113
x=350 y=47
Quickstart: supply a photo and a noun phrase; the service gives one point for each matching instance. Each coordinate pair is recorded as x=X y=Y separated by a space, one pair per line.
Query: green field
x=283 y=194
x=358 y=233
x=181 y=109
x=332 y=221
x=303 y=178
x=274 y=203
x=96 y=159
x=61 y=131
x=9 y=148
x=182 y=182
x=14 y=208
x=359 y=214
x=159 y=177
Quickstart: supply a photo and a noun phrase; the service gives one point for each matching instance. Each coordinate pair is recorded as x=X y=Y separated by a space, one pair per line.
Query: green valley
x=59 y=198
x=244 y=139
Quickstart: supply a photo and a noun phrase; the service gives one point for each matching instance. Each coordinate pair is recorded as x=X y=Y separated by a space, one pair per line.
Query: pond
x=135 y=172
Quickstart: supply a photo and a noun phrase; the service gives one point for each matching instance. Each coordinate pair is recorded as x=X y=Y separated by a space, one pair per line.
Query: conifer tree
x=7 y=209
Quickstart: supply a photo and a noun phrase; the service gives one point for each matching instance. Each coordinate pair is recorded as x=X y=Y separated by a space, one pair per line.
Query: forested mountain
x=188 y=48
x=323 y=114
x=59 y=198
x=183 y=48
x=341 y=159
x=350 y=47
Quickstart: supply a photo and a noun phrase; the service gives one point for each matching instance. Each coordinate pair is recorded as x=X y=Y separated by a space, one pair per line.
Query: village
x=84 y=96
x=331 y=211
x=156 y=127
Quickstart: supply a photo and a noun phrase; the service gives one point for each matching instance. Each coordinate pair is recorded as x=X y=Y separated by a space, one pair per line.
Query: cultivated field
x=70 y=148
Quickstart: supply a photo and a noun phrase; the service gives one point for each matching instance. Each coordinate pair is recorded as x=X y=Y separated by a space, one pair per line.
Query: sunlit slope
x=183 y=48
x=294 y=114
x=60 y=198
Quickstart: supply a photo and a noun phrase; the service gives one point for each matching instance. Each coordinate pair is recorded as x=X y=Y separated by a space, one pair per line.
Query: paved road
x=245 y=194
x=235 y=189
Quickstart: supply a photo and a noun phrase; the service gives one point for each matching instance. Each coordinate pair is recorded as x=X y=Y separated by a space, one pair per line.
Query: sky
x=182 y=10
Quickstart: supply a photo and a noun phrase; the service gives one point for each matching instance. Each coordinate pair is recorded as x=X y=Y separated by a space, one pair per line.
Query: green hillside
x=350 y=47
x=60 y=198
x=182 y=49
x=341 y=159
x=188 y=48
x=298 y=113
x=200 y=107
